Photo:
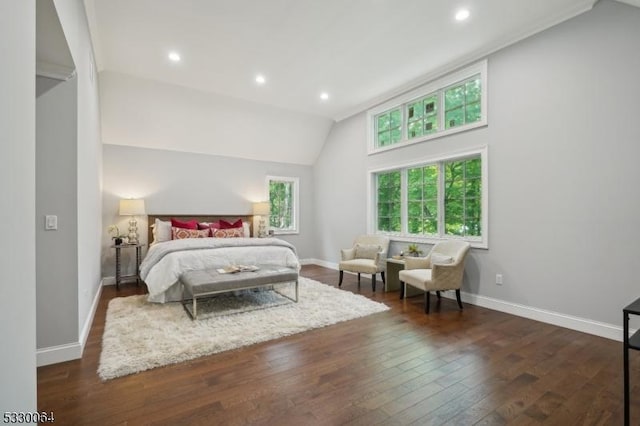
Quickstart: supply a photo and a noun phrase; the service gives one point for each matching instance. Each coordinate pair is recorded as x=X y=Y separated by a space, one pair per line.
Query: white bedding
x=165 y=261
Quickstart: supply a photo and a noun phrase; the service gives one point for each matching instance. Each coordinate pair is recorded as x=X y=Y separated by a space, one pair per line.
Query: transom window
x=433 y=200
x=448 y=105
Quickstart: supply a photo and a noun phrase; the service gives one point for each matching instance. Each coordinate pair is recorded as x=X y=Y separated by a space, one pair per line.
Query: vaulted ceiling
x=357 y=51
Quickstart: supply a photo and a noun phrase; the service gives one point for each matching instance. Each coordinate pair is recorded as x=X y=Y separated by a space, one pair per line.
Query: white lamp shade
x=131 y=207
x=262 y=208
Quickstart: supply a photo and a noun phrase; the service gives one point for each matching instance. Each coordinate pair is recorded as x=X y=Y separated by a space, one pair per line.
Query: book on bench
x=232 y=269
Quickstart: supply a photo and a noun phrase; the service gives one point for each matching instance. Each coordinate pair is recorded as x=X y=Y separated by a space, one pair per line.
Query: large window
x=284 y=204
x=433 y=199
x=448 y=105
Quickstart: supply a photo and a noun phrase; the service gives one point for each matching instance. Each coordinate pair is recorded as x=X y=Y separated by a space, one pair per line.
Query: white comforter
x=165 y=261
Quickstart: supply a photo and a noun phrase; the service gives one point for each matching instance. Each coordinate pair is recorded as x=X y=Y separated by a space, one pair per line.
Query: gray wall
x=17 y=215
x=89 y=165
x=185 y=183
x=563 y=147
x=57 y=194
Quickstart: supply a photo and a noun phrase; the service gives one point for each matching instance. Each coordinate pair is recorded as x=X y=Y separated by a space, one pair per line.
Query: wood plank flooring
x=399 y=367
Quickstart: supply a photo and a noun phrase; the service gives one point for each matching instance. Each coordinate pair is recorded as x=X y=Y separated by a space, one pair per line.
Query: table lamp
x=132 y=208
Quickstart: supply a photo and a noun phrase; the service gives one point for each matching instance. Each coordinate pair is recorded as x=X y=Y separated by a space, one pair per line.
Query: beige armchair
x=441 y=270
x=367 y=256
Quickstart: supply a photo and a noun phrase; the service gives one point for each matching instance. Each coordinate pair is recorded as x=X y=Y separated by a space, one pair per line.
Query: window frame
x=295 y=181
x=404 y=235
x=436 y=87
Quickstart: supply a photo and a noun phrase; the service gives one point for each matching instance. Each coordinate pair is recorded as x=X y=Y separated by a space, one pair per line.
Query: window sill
x=438 y=135
x=396 y=237
x=284 y=232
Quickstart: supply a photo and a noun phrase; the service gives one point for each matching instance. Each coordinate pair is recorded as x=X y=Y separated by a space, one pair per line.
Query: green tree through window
x=450 y=104
x=462 y=197
x=283 y=203
x=440 y=199
x=389 y=202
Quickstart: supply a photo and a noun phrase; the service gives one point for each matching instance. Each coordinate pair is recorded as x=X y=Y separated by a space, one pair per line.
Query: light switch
x=51 y=222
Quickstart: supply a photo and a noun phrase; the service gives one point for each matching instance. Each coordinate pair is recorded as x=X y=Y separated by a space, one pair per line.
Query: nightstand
x=119 y=276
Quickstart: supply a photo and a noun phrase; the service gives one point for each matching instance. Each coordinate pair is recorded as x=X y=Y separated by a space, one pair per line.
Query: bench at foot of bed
x=209 y=282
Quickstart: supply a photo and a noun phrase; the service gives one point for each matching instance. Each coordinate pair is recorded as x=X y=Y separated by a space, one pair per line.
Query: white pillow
x=246 y=228
x=161 y=231
x=440 y=259
x=367 y=251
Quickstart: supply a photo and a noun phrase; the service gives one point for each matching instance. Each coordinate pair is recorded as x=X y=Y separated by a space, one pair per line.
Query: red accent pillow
x=192 y=224
x=182 y=233
x=207 y=225
x=226 y=225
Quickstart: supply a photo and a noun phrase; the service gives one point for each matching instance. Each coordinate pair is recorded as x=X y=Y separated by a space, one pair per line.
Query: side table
x=119 y=275
x=630 y=342
x=394 y=266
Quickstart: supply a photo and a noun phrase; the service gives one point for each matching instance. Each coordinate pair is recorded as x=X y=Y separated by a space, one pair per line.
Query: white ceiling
x=359 y=51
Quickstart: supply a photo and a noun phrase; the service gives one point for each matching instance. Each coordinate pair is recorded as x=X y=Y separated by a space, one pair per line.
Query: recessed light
x=324 y=96
x=462 y=14
x=174 y=56
x=260 y=79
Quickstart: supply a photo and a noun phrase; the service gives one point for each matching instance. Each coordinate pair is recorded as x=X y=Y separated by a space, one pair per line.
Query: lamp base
x=262 y=228
x=133 y=231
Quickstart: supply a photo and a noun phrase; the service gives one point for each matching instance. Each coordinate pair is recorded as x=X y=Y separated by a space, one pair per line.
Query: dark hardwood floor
x=398 y=367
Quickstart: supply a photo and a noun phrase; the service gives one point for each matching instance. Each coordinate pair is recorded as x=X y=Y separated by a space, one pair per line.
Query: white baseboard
x=585 y=325
x=108 y=280
x=84 y=334
x=57 y=354
x=608 y=331
x=70 y=351
x=319 y=262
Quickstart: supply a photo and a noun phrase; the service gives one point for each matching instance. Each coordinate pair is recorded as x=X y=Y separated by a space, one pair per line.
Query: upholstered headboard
x=200 y=218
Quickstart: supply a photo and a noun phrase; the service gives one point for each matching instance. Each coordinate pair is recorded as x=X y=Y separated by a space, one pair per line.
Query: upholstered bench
x=208 y=282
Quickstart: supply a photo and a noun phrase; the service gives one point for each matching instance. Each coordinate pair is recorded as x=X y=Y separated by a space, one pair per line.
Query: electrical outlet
x=499 y=279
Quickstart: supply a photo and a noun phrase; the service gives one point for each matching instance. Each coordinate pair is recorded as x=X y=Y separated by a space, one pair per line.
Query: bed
x=165 y=261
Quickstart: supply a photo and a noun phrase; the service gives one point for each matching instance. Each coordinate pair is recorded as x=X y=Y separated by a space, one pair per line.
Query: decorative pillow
x=440 y=259
x=227 y=233
x=161 y=231
x=227 y=225
x=247 y=229
x=176 y=223
x=367 y=251
x=182 y=233
x=207 y=225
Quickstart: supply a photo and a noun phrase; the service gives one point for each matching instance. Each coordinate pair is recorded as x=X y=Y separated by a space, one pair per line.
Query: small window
x=284 y=203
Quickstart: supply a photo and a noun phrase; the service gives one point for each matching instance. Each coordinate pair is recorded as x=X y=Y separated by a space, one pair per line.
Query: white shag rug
x=139 y=335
